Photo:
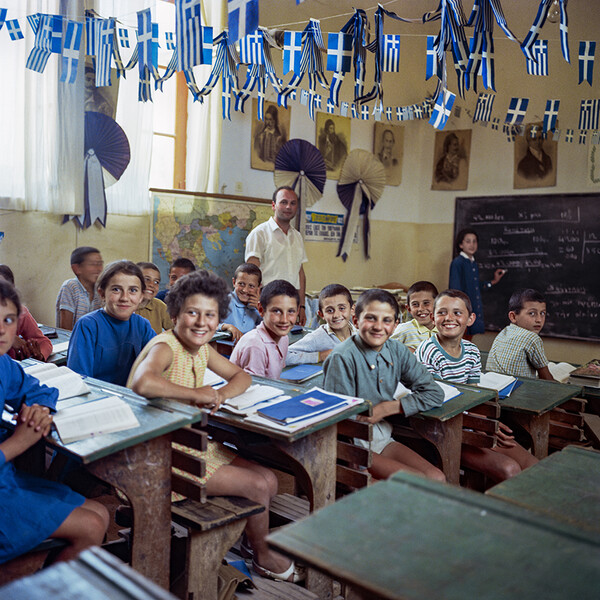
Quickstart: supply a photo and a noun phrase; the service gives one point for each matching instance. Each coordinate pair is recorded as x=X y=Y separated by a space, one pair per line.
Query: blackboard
x=549 y=243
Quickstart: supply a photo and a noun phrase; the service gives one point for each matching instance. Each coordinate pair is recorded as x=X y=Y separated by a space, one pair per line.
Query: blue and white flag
x=242 y=18
x=483 y=110
x=588 y=114
x=344 y=109
x=34 y=21
x=377 y=110
x=390 y=52
x=189 y=34
x=510 y=132
x=317 y=101
x=251 y=49
x=538 y=65
x=442 y=109
x=292 y=51
x=104 y=50
x=91 y=28
x=582 y=136
x=516 y=110
x=587 y=50
x=495 y=123
x=339 y=52
x=538 y=23
x=3 y=12
x=551 y=114
x=304 y=97
x=354 y=110
x=569 y=136
x=48 y=39
x=147 y=47
x=169 y=40
x=70 y=53
x=389 y=113
x=124 y=37
x=433 y=66
x=14 y=30
x=364 y=112
x=417 y=111
x=330 y=106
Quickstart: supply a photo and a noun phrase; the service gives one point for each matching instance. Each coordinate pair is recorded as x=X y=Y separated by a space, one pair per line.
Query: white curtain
x=203 y=152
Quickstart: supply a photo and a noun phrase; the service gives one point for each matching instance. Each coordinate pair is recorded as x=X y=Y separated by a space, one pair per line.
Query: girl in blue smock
x=33 y=509
x=464 y=276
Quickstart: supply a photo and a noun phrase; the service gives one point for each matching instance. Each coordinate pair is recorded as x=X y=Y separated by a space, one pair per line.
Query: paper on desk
x=253 y=395
x=449 y=391
x=67 y=382
x=60 y=347
x=250 y=410
x=212 y=379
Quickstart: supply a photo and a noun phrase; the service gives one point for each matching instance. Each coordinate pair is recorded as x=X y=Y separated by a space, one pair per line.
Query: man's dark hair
x=282 y=187
x=198 y=282
x=519 y=297
x=79 y=254
x=376 y=295
x=278 y=287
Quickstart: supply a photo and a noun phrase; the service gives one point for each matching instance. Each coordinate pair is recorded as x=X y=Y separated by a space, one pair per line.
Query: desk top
x=471 y=396
x=564 y=486
x=59 y=357
x=410 y=538
x=539 y=396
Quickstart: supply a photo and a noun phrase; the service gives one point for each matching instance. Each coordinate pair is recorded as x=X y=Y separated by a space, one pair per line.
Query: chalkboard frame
x=561 y=322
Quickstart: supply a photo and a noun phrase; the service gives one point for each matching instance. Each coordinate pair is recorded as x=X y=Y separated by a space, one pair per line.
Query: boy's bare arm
x=544 y=373
x=66 y=319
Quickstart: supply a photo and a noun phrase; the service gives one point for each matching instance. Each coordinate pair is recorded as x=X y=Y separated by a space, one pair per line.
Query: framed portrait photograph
x=535 y=158
x=333 y=141
x=268 y=135
x=100 y=99
x=388 y=147
x=451 y=157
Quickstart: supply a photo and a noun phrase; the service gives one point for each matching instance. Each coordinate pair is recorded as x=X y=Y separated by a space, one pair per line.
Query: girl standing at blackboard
x=464 y=276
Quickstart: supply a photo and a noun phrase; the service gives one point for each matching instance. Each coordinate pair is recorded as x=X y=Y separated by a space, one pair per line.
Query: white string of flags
x=246 y=43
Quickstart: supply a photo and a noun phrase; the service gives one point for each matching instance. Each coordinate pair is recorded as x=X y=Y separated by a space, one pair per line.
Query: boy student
x=243 y=315
x=518 y=349
x=262 y=351
x=77 y=296
x=335 y=306
x=370 y=365
x=150 y=307
x=179 y=268
x=419 y=298
x=453 y=359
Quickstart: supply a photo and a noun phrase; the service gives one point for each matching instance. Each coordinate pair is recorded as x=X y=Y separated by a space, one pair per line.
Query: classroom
x=190 y=153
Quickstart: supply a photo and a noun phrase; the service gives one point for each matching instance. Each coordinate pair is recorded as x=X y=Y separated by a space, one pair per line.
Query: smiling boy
x=150 y=307
x=370 y=365
x=335 y=306
x=262 y=351
x=518 y=349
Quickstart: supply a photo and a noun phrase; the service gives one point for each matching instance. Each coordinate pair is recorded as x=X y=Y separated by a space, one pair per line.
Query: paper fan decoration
x=107 y=155
x=361 y=184
x=300 y=165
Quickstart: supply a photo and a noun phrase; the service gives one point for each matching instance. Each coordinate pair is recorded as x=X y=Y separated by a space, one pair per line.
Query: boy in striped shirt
x=447 y=356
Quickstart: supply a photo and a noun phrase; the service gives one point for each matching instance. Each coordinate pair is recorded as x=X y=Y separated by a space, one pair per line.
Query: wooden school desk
x=530 y=405
x=59 y=352
x=564 y=486
x=138 y=462
x=409 y=538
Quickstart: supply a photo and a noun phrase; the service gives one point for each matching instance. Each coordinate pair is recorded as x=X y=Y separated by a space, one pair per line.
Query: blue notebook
x=301 y=373
x=506 y=392
x=302 y=407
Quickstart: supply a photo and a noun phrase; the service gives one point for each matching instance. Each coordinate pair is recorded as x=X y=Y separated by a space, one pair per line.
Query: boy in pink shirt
x=262 y=351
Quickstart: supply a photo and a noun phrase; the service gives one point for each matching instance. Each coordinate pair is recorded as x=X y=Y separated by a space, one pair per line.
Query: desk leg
x=538 y=428
x=143 y=474
x=317 y=455
x=446 y=436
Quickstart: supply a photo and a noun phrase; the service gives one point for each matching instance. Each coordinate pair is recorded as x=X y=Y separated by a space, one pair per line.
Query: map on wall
x=211 y=232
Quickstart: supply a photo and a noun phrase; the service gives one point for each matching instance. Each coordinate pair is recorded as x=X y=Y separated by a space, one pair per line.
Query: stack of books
x=588 y=374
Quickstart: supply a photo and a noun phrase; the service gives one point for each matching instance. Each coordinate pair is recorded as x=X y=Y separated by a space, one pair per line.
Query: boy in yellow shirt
x=419 y=298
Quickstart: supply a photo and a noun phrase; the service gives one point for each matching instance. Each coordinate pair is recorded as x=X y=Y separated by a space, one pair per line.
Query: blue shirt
x=240 y=315
x=106 y=348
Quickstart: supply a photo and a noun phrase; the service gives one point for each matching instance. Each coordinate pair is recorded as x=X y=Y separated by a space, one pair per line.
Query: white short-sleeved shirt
x=280 y=255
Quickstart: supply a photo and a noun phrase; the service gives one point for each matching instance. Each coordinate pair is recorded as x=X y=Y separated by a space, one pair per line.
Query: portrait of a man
x=451 y=160
x=388 y=147
x=100 y=99
x=535 y=159
x=333 y=141
x=268 y=135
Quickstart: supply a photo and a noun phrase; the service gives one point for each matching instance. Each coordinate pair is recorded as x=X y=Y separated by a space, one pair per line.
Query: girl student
x=173 y=364
x=32 y=508
x=464 y=276
x=106 y=342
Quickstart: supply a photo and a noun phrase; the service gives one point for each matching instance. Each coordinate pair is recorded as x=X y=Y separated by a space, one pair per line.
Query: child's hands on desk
x=33 y=423
x=27 y=349
x=208 y=397
x=381 y=411
x=505 y=439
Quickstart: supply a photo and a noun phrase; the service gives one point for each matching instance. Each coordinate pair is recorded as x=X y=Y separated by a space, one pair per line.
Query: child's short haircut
x=183 y=263
x=6 y=273
x=334 y=289
x=78 y=255
x=421 y=286
x=119 y=266
x=376 y=295
x=519 y=297
x=148 y=265
x=9 y=293
x=278 y=287
x=199 y=282
x=249 y=269
x=454 y=294
x=460 y=236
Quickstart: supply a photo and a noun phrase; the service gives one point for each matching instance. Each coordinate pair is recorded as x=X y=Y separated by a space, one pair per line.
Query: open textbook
x=97 y=417
x=67 y=382
x=503 y=384
x=449 y=391
x=561 y=371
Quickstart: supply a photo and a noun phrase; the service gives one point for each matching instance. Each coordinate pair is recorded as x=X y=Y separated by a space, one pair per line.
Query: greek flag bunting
x=556 y=135
x=582 y=136
x=495 y=123
x=34 y=21
x=569 y=136
x=538 y=23
x=442 y=109
x=90 y=33
x=251 y=49
x=538 y=65
x=587 y=50
x=417 y=111
x=14 y=30
x=432 y=66
x=483 y=110
x=318 y=100
x=242 y=18
x=104 y=50
x=330 y=106
x=516 y=110
x=588 y=114
x=344 y=109
x=535 y=130
x=169 y=41
x=189 y=34
x=377 y=110
x=364 y=112
x=304 y=97
x=354 y=111
x=339 y=52
x=48 y=39
x=596 y=137
x=70 y=53
x=147 y=52
x=3 y=12
x=388 y=113
x=510 y=131
x=124 y=37
x=551 y=114
x=390 y=53
x=292 y=51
